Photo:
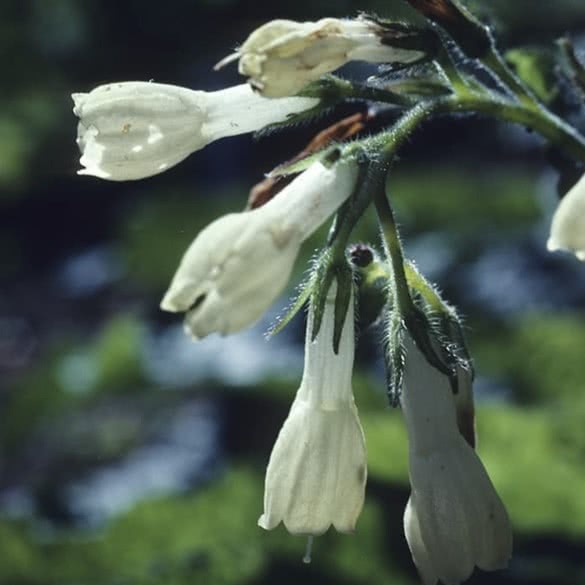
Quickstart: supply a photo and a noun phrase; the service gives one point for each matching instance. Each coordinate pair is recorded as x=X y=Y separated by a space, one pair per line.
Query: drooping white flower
x=136 y=129
x=239 y=264
x=567 y=230
x=454 y=520
x=283 y=56
x=317 y=471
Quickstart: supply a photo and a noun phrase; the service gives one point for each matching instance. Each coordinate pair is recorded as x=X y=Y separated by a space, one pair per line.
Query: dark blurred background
x=128 y=454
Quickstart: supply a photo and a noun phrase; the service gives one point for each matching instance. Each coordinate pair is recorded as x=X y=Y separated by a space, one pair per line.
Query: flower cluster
x=238 y=265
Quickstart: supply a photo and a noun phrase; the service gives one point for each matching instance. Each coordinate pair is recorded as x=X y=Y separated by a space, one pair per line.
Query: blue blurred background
x=131 y=456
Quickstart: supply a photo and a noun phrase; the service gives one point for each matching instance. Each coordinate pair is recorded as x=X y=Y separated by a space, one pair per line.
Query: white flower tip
x=169 y=303
x=78 y=101
x=552 y=245
x=188 y=331
x=94 y=172
x=264 y=523
x=92 y=167
x=271 y=521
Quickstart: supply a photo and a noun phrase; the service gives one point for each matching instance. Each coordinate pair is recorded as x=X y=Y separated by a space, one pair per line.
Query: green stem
x=401 y=292
x=459 y=83
x=387 y=143
x=547 y=124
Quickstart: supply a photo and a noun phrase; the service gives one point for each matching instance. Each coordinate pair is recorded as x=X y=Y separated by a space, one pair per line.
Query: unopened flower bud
x=283 y=56
x=136 y=129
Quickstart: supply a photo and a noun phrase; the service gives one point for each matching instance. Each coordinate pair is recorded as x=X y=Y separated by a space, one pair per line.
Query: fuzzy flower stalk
x=283 y=56
x=316 y=475
x=136 y=129
x=240 y=263
x=454 y=519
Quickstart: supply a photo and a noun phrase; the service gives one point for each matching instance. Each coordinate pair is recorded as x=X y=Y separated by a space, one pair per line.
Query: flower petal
x=567 y=230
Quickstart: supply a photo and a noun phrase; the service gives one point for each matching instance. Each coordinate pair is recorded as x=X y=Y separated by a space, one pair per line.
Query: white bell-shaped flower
x=316 y=476
x=239 y=264
x=283 y=56
x=567 y=230
x=454 y=520
x=136 y=129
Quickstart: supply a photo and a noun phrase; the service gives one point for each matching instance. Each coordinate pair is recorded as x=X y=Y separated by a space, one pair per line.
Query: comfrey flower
x=283 y=56
x=567 y=231
x=454 y=519
x=316 y=476
x=239 y=264
x=136 y=129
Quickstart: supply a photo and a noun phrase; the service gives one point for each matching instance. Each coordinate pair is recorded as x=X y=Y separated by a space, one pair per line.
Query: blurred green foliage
x=460 y=201
x=541 y=355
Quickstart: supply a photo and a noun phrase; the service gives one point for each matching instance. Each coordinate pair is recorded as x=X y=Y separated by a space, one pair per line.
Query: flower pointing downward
x=454 y=519
x=316 y=476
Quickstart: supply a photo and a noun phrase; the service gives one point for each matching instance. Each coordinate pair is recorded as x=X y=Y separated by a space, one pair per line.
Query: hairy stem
x=400 y=293
x=547 y=124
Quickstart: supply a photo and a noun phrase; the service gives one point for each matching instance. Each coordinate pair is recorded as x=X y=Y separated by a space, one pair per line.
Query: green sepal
x=394 y=357
x=343 y=297
x=454 y=329
x=327 y=156
x=443 y=322
x=421 y=331
x=331 y=90
x=420 y=87
x=323 y=276
x=303 y=295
